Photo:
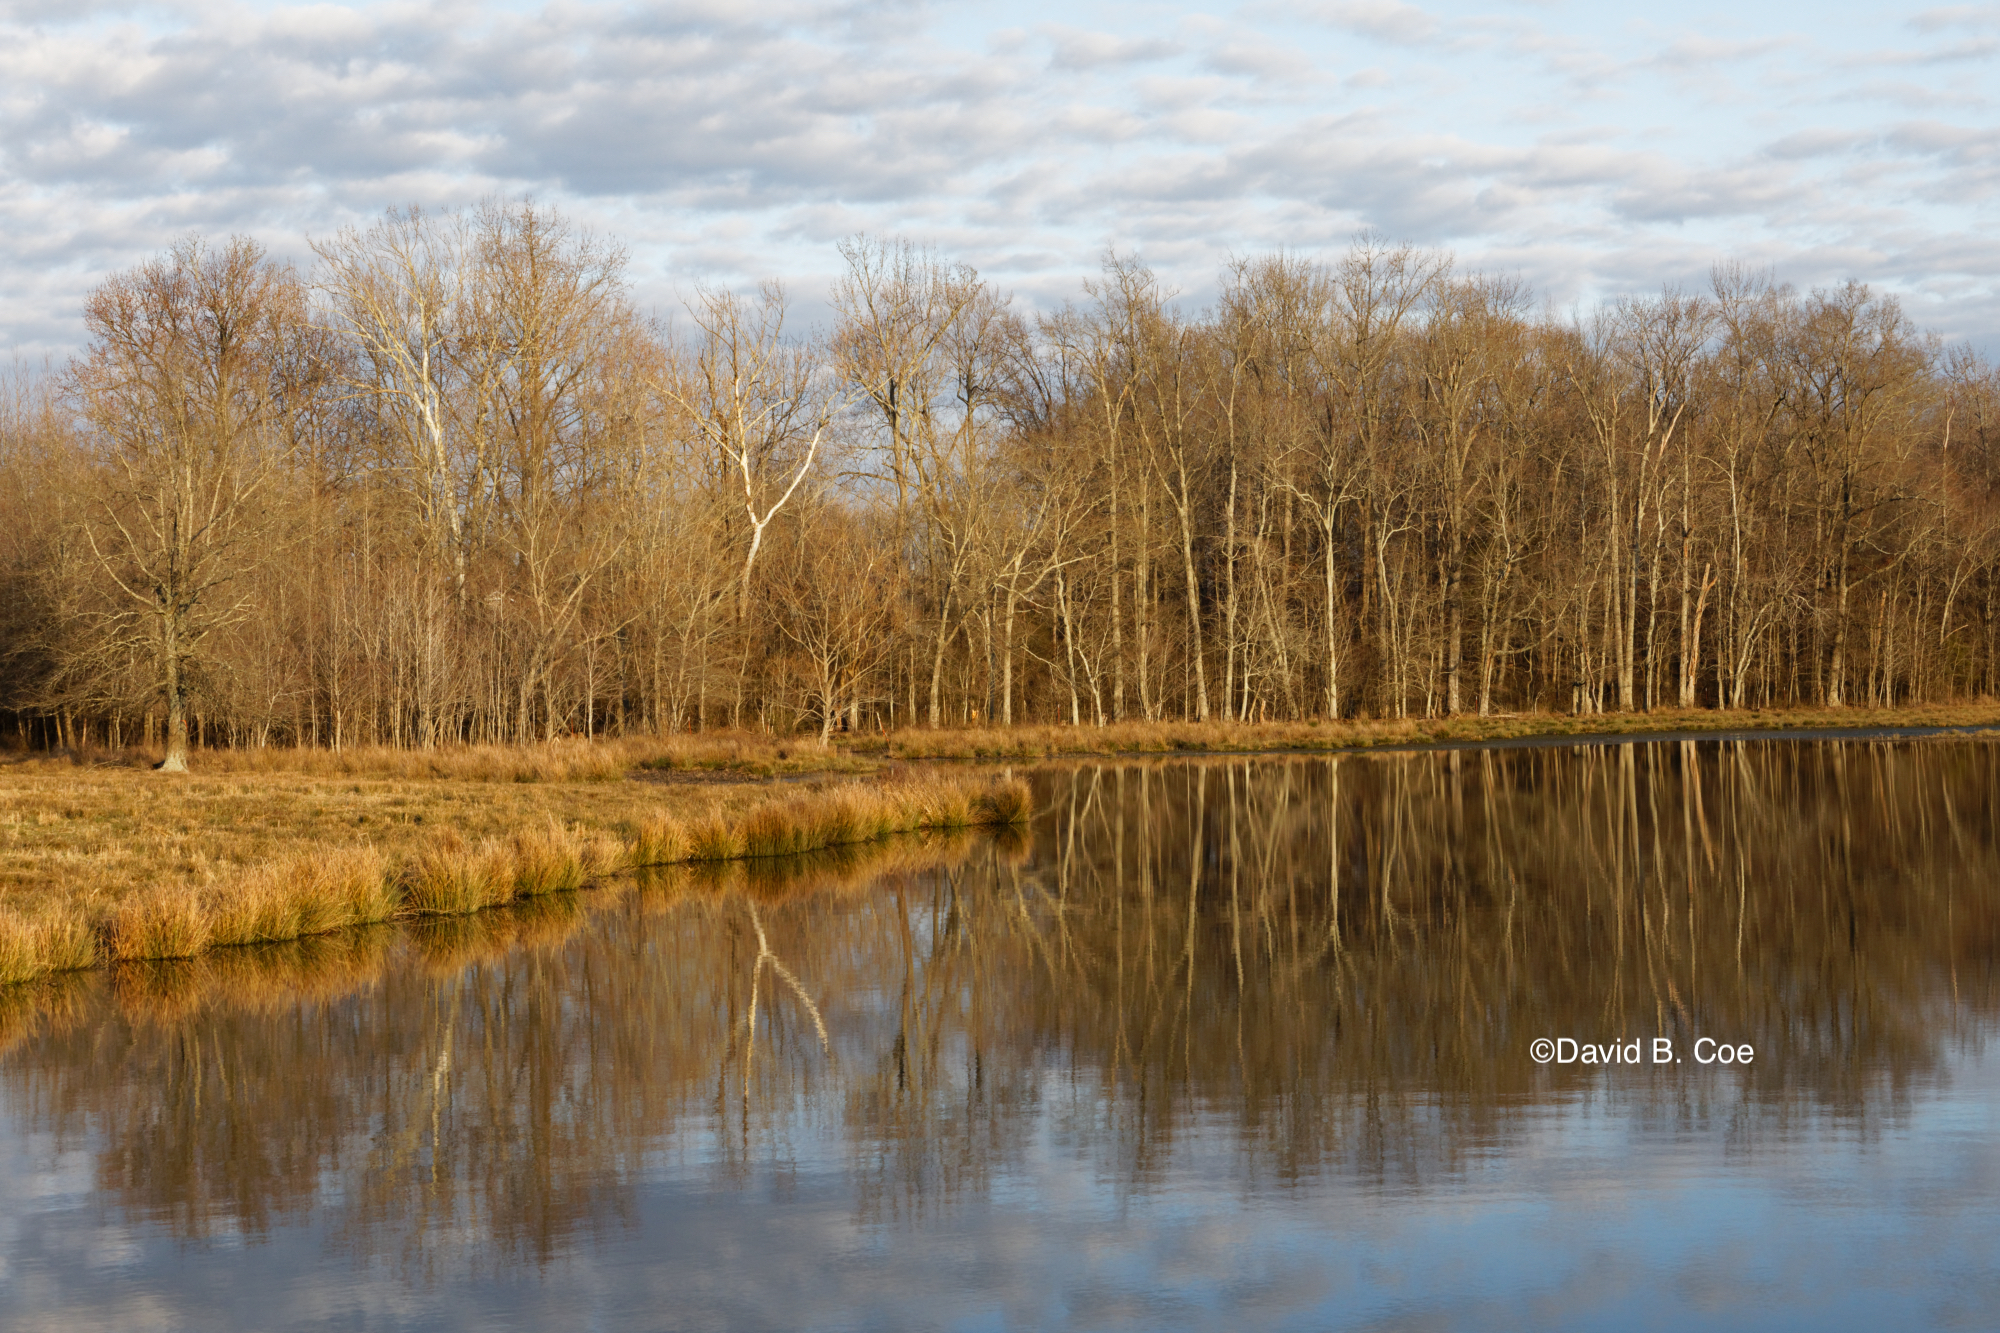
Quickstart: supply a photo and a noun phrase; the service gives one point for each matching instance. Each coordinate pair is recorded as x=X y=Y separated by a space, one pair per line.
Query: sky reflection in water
x=1218 y=1045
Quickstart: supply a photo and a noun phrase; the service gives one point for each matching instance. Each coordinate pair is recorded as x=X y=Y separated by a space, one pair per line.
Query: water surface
x=1224 y=1044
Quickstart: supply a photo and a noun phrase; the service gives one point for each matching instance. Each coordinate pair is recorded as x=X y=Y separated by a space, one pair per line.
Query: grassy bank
x=339 y=963
x=125 y=866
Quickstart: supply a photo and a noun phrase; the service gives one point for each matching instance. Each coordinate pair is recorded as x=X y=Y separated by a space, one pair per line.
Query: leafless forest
x=452 y=484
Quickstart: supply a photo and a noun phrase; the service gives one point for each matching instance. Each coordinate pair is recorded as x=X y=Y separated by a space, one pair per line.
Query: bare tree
x=761 y=403
x=176 y=386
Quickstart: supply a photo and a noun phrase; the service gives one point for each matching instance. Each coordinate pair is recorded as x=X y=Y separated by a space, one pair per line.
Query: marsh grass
x=329 y=967
x=659 y=839
x=559 y=761
x=311 y=890
x=835 y=817
x=603 y=761
x=169 y=922
x=1141 y=738
x=31 y=947
x=454 y=876
x=303 y=894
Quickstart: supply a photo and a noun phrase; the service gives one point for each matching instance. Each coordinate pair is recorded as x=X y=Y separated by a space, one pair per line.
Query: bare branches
x=1369 y=484
x=180 y=385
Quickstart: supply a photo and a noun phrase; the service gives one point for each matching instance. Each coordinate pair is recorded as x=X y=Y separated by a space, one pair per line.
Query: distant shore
x=750 y=755
x=1153 y=738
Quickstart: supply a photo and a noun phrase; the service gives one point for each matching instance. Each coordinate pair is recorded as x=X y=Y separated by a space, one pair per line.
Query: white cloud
x=1957 y=16
x=1384 y=20
x=726 y=141
x=1074 y=49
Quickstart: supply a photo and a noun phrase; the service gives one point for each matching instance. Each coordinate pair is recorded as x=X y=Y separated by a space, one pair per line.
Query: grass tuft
x=1006 y=802
x=836 y=817
x=452 y=877
x=549 y=861
x=163 y=923
x=659 y=840
x=713 y=838
x=303 y=894
x=63 y=942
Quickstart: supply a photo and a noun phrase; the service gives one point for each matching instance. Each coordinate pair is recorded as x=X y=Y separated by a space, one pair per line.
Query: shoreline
x=106 y=862
x=1557 y=741
x=319 y=886
x=728 y=759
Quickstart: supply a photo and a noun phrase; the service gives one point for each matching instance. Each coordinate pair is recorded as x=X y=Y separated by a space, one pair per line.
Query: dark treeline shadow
x=1337 y=965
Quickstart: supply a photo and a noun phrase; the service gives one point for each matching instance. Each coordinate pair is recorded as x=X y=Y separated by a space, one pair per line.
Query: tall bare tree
x=177 y=387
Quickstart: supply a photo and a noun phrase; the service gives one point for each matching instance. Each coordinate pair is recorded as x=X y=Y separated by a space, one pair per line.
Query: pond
x=1226 y=1044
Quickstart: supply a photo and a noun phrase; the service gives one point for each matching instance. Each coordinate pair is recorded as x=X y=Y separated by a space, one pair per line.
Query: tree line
x=450 y=483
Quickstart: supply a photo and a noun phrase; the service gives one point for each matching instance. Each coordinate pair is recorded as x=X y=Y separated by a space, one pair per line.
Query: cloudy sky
x=1591 y=148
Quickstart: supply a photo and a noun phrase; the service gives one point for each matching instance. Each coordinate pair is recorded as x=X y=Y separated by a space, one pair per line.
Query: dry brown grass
x=332 y=966
x=305 y=894
x=159 y=923
x=208 y=880
x=54 y=942
x=560 y=761
x=841 y=816
x=1045 y=742
x=578 y=763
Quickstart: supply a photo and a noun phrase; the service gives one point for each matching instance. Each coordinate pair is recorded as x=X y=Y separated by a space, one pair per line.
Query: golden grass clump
x=659 y=840
x=308 y=893
x=163 y=923
x=941 y=805
x=547 y=861
x=777 y=830
x=1009 y=801
x=836 y=817
x=601 y=854
x=452 y=877
x=713 y=838
x=359 y=882
x=59 y=942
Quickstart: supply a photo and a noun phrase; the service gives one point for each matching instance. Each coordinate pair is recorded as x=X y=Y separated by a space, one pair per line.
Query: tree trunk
x=1194 y=607
x=1229 y=709
x=177 y=724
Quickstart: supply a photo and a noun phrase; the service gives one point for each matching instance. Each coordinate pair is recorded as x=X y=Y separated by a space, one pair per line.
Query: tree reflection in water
x=1337 y=963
